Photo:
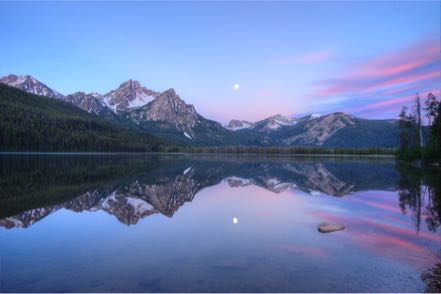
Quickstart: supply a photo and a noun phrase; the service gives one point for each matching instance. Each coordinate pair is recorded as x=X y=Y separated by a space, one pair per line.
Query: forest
x=413 y=144
x=35 y=123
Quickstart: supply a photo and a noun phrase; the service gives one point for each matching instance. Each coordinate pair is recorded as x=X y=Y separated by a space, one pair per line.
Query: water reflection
x=181 y=223
x=131 y=188
x=420 y=195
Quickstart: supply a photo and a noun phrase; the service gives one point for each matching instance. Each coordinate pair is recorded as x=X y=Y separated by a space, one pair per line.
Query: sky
x=292 y=58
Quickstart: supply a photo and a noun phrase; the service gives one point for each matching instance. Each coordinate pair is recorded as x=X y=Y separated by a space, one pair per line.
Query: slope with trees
x=36 y=123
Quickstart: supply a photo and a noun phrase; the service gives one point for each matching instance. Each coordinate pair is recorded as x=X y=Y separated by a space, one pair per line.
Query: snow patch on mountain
x=30 y=85
x=235 y=125
x=315 y=115
x=234 y=181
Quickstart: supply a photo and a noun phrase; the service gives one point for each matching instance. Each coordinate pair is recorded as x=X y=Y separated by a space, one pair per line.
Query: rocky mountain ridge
x=166 y=115
x=167 y=188
x=30 y=85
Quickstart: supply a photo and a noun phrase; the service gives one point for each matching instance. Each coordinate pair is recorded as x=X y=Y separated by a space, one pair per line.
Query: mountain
x=332 y=130
x=166 y=115
x=92 y=103
x=340 y=130
x=30 y=122
x=134 y=187
x=132 y=105
x=274 y=123
x=30 y=85
x=267 y=125
x=236 y=124
x=126 y=209
x=129 y=94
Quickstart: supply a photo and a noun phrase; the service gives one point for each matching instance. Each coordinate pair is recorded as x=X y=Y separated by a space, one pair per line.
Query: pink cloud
x=407 y=59
x=391 y=103
x=307 y=58
x=381 y=104
x=416 y=68
x=408 y=79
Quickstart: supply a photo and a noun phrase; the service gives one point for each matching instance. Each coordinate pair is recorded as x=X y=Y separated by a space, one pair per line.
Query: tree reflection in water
x=420 y=195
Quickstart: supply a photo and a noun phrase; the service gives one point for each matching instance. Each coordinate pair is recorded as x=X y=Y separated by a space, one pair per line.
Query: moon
x=236 y=87
x=234 y=220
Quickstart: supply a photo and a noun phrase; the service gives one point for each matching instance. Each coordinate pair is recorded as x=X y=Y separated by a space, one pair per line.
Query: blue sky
x=366 y=58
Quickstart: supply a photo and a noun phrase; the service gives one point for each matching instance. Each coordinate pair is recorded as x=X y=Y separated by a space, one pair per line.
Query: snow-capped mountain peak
x=283 y=120
x=275 y=122
x=235 y=125
x=269 y=124
x=129 y=94
x=30 y=85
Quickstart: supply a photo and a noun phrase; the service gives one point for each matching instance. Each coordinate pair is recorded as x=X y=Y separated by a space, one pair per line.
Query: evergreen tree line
x=412 y=142
x=290 y=150
x=29 y=182
x=35 y=123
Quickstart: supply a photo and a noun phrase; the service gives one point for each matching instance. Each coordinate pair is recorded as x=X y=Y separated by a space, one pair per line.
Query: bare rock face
x=166 y=115
x=235 y=182
x=267 y=125
x=329 y=228
x=236 y=124
x=30 y=85
x=92 y=103
x=275 y=122
x=129 y=94
x=128 y=210
x=27 y=218
x=317 y=131
x=169 y=108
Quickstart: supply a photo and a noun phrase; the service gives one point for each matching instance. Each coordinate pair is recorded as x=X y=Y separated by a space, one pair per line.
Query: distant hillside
x=335 y=130
x=36 y=123
x=139 y=110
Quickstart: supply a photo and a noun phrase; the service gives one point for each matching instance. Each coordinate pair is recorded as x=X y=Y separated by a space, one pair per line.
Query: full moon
x=234 y=220
x=236 y=87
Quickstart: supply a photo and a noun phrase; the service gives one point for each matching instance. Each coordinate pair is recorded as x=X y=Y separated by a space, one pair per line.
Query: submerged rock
x=329 y=228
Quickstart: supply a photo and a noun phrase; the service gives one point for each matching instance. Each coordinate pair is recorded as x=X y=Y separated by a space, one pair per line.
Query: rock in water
x=329 y=228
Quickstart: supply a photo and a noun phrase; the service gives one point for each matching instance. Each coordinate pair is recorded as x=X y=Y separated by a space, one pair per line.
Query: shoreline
x=195 y=153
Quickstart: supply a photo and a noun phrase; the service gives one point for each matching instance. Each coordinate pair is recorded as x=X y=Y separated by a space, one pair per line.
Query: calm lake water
x=214 y=223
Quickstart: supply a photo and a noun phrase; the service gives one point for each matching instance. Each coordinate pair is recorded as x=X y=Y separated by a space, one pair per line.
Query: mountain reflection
x=134 y=187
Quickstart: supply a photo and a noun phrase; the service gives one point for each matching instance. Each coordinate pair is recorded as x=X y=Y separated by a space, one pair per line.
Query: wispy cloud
x=386 y=104
x=387 y=80
x=420 y=62
x=306 y=58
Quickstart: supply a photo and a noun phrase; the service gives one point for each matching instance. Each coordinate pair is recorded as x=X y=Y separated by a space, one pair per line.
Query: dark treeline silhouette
x=420 y=194
x=36 y=123
x=412 y=143
x=32 y=181
x=289 y=150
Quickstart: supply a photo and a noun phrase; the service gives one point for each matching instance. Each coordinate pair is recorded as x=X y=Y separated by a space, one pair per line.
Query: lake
x=215 y=223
